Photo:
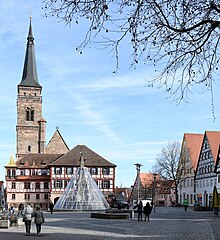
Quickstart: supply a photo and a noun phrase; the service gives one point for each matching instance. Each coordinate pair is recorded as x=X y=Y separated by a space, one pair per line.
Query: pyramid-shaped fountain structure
x=82 y=193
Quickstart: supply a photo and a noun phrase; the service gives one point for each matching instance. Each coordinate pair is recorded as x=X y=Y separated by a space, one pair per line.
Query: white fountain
x=82 y=192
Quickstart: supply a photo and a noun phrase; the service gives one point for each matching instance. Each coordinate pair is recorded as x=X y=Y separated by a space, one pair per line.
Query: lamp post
x=154 y=191
x=138 y=168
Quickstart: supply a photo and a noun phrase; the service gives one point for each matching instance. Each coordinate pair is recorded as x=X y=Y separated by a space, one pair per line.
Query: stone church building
x=41 y=171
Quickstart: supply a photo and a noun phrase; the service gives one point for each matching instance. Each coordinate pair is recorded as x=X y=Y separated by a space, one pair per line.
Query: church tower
x=31 y=127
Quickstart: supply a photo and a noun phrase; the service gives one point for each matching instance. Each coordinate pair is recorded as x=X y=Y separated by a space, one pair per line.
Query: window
x=13 y=185
x=218 y=178
x=27 y=196
x=208 y=169
x=58 y=184
x=192 y=182
x=13 y=196
x=46 y=185
x=187 y=182
x=27 y=185
x=22 y=172
x=29 y=114
x=105 y=171
x=94 y=171
x=57 y=171
x=37 y=196
x=184 y=183
x=29 y=148
x=37 y=185
x=191 y=198
x=45 y=172
x=45 y=196
x=13 y=172
x=69 y=170
x=106 y=184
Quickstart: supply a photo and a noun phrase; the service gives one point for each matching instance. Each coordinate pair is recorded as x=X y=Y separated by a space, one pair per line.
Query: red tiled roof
x=194 y=144
x=147 y=179
x=214 y=141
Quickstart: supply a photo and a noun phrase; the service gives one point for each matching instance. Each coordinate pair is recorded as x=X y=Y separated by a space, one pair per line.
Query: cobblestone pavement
x=165 y=223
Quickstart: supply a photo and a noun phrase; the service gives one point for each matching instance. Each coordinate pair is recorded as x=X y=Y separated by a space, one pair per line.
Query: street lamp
x=154 y=191
x=138 y=168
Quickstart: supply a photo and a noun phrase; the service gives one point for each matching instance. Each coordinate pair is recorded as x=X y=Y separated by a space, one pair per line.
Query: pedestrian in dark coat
x=51 y=206
x=147 y=211
x=140 y=210
x=38 y=219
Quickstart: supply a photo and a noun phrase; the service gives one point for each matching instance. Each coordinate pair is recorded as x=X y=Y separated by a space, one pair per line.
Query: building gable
x=56 y=144
x=206 y=163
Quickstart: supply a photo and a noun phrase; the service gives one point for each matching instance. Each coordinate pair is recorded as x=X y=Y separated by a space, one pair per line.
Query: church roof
x=29 y=77
x=37 y=160
x=57 y=144
x=92 y=159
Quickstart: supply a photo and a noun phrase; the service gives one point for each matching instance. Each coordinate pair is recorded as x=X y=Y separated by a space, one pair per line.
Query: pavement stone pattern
x=166 y=223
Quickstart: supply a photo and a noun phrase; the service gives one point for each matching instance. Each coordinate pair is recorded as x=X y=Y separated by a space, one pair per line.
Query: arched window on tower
x=29 y=114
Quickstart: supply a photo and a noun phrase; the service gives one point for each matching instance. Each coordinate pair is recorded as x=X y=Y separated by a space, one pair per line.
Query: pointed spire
x=29 y=77
x=11 y=162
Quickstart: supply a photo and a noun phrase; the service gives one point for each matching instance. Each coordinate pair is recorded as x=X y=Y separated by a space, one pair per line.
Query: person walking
x=185 y=204
x=51 y=206
x=147 y=211
x=27 y=218
x=20 y=209
x=140 y=210
x=38 y=219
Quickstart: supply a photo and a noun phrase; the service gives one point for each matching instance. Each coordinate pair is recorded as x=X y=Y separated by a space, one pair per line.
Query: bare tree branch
x=179 y=38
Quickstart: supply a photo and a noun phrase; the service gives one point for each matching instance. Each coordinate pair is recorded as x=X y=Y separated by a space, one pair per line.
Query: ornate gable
x=206 y=163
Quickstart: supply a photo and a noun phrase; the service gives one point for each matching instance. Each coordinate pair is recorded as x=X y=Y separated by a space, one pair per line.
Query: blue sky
x=115 y=115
